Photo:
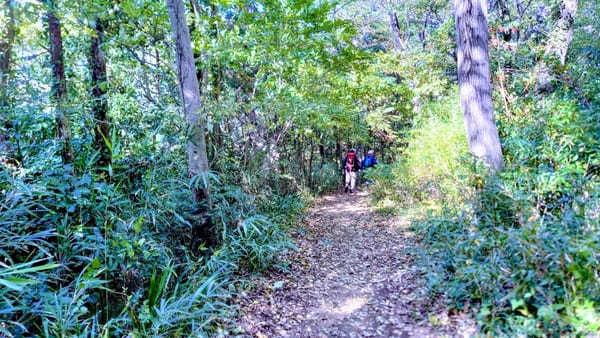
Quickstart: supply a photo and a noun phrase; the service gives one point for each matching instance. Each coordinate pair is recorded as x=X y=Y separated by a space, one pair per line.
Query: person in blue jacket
x=369 y=161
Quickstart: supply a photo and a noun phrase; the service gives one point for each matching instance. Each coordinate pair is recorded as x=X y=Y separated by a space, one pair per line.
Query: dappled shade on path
x=350 y=277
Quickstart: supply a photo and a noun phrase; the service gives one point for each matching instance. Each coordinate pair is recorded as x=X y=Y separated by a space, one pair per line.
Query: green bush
x=326 y=178
x=86 y=256
x=524 y=251
x=432 y=165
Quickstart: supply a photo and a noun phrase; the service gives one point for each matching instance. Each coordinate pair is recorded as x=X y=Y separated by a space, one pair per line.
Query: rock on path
x=349 y=278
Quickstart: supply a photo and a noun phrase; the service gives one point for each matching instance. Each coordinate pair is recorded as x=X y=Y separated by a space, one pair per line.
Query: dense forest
x=156 y=155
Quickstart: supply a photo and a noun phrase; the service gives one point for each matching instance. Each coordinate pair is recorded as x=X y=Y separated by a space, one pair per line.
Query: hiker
x=369 y=162
x=351 y=167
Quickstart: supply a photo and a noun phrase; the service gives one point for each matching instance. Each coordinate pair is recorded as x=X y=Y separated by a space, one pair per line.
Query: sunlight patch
x=349 y=306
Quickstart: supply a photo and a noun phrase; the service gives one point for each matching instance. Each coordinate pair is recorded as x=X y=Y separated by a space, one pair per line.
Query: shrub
x=524 y=250
x=128 y=256
x=434 y=162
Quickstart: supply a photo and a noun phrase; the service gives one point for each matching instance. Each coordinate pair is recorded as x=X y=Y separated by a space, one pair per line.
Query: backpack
x=350 y=162
x=368 y=162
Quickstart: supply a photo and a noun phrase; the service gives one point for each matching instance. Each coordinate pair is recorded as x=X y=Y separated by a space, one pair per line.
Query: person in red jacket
x=351 y=167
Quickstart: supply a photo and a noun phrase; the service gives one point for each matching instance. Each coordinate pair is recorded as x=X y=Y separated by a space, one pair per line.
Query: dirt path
x=350 y=277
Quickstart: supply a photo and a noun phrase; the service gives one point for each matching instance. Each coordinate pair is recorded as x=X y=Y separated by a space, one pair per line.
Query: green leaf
x=21 y=268
x=16 y=283
x=137 y=226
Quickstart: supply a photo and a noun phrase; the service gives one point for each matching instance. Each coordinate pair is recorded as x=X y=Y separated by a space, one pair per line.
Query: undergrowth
x=519 y=250
x=92 y=255
x=427 y=171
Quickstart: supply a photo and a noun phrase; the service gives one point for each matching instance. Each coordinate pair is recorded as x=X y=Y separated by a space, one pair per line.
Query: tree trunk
x=474 y=82
x=59 y=85
x=339 y=159
x=322 y=153
x=423 y=33
x=303 y=162
x=97 y=64
x=7 y=37
x=562 y=34
x=504 y=10
x=520 y=8
x=190 y=93
x=310 y=165
x=557 y=46
x=396 y=31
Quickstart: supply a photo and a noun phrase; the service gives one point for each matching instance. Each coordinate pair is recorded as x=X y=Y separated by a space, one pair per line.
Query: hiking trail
x=350 y=277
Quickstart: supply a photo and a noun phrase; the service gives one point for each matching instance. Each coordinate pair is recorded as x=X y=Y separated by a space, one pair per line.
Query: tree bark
x=562 y=34
x=97 y=64
x=504 y=10
x=59 y=85
x=190 y=93
x=557 y=46
x=6 y=43
x=302 y=162
x=397 y=37
x=7 y=37
x=423 y=33
x=310 y=165
x=339 y=159
x=322 y=153
x=474 y=82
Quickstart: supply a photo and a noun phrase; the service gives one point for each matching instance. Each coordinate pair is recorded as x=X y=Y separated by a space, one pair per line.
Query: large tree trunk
x=7 y=37
x=474 y=82
x=398 y=42
x=59 y=85
x=557 y=46
x=97 y=64
x=190 y=93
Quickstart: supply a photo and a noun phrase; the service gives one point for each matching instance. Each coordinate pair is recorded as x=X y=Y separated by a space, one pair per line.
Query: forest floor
x=351 y=276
